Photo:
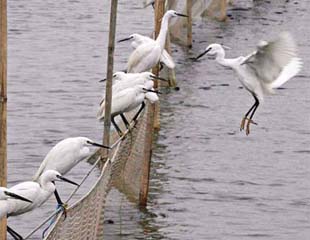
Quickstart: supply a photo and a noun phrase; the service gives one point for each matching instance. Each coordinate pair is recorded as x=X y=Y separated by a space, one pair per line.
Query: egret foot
x=247 y=131
x=64 y=207
x=242 y=123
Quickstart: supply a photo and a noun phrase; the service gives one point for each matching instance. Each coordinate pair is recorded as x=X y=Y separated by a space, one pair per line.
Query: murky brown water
x=209 y=181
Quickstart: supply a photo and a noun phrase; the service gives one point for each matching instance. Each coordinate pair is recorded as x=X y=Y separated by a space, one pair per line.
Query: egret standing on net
x=270 y=66
x=37 y=193
x=66 y=154
x=138 y=39
x=147 y=55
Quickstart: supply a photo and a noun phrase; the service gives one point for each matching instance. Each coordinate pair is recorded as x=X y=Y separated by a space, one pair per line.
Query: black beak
x=13 y=195
x=181 y=15
x=125 y=39
x=202 y=54
x=159 y=78
x=150 y=90
x=67 y=180
x=102 y=80
x=98 y=145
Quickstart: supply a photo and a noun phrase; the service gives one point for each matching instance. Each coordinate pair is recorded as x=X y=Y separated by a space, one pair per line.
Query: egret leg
x=250 y=119
x=139 y=111
x=247 y=114
x=119 y=131
x=125 y=121
x=60 y=202
x=14 y=234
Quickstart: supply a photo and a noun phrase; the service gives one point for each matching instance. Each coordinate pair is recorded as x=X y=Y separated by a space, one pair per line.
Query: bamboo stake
x=3 y=104
x=189 y=5
x=159 y=13
x=108 y=91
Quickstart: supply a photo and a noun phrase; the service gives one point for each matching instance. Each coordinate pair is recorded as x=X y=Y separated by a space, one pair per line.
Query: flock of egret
x=271 y=65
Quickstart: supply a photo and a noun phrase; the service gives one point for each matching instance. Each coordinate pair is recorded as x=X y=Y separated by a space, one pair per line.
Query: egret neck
x=161 y=38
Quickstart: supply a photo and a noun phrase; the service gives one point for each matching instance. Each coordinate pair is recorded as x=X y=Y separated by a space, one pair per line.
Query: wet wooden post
x=3 y=104
x=108 y=91
x=152 y=119
x=159 y=13
x=189 y=5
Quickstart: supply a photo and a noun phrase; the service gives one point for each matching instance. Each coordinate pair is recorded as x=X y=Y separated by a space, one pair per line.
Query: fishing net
x=126 y=169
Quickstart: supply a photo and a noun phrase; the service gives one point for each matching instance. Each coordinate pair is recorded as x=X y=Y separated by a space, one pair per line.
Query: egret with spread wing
x=271 y=65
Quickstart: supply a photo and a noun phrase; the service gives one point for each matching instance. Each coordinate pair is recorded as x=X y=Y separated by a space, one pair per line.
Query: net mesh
x=126 y=169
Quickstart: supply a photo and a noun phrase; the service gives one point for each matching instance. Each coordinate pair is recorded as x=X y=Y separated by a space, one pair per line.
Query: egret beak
x=67 y=180
x=98 y=145
x=153 y=91
x=159 y=78
x=181 y=15
x=102 y=80
x=13 y=195
x=125 y=39
x=202 y=54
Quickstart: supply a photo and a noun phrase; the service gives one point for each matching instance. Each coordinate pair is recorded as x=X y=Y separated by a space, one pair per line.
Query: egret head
x=7 y=194
x=172 y=13
x=53 y=176
x=86 y=142
x=117 y=76
x=212 y=50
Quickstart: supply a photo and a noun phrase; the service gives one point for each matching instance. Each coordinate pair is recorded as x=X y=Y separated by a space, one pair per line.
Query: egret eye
x=114 y=75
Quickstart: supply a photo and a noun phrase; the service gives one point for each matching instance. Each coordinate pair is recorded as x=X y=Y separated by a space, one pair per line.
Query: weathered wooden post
x=189 y=5
x=159 y=13
x=3 y=104
x=108 y=91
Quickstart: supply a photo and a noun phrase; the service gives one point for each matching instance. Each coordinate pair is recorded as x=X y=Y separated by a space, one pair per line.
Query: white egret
x=37 y=193
x=124 y=101
x=270 y=66
x=138 y=39
x=147 y=55
x=66 y=154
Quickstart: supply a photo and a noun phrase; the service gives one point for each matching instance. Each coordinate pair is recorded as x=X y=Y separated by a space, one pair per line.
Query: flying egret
x=271 y=65
x=124 y=101
x=147 y=55
x=6 y=194
x=66 y=154
x=139 y=39
x=37 y=193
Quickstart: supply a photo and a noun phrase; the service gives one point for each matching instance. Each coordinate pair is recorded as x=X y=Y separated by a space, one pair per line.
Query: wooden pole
x=108 y=90
x=3 y=104
x=159 y=13
x=189 y=5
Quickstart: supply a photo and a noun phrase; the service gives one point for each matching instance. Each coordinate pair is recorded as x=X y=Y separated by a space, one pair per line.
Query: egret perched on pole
x=125 y=101
x=271 y=65
x=37 y=193
x=138 y=39
x=66 y=154
x=147 y=55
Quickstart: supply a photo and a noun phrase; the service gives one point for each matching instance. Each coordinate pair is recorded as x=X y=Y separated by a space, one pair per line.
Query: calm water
x=209 y=181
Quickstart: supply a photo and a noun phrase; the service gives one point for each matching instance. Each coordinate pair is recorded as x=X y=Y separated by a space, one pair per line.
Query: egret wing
x=269 y=60
x=167 y=59
x=143 y=58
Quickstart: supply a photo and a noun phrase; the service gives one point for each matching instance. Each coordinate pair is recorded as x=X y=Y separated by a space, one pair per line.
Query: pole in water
x=3 y=104
x=189 y=5
x=108 y=92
